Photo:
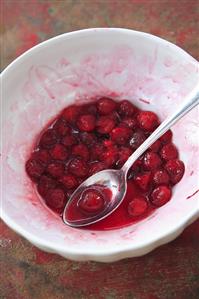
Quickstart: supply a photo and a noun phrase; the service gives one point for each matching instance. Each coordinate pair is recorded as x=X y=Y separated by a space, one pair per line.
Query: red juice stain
x=190 y=196
x=144 y=101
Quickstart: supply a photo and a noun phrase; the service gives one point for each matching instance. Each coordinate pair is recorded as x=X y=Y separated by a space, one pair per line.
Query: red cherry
x=135 y=168
x=81 y=150
x=109 y=157
x=106 y=106
x=124 y=154
x=160 y=195
x=89 y=108
x=96 y=167
x=49 y=138
x=175 y=169
x=120 y=135
x=86 y=123
x=69 y=181
x=88 y=138
x=109 y=144
x=105 y=125
x=137 y=139
x=91 y=201
x=138 y=206
x=125 y=108
x=45 y=183
x=147 y=120
x=97 y=151
x=160 y=177
x=61 y=127
x=130 y=122
x=56 y=199
x=34 y=169
x=69 y=140
x=143 y=180
x=42 y=155
x=151 y=161
x=166 y=137
x=114 y=116
x=155 y=146
x=78 y=168
x=71 y=113
x=59 y=152
x=169 y=152
x=55 y=169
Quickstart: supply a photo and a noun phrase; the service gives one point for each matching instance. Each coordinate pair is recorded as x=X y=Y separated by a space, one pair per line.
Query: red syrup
x=84 y=139
x=121 y=217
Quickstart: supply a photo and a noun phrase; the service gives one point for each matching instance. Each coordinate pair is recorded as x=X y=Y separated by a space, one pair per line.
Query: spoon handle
x=191 y=101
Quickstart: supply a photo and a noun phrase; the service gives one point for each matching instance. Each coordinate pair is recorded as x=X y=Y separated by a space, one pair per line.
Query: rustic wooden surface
x=169 y=272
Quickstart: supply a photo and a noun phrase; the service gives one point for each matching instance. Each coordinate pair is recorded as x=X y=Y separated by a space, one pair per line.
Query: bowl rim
x=106 y=30
x=121 y=253
x=130 y=250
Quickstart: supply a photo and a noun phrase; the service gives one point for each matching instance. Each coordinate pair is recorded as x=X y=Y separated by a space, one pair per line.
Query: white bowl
x=121 y=63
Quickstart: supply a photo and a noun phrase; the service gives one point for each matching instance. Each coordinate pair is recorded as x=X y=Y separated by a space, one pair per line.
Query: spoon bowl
x=113 y=180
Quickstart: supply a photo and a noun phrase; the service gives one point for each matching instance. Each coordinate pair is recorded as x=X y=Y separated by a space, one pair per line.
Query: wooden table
x=169 y=272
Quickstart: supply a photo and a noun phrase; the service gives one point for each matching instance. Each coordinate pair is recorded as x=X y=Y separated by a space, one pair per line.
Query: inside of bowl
x=152 y=73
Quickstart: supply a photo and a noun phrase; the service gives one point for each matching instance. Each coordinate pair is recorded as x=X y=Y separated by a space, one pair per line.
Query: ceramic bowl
x=153 y=73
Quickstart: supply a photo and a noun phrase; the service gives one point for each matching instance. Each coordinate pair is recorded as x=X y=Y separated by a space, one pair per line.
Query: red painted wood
x=169 y=272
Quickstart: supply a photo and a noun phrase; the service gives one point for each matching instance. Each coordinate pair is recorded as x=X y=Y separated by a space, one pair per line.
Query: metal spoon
x=116 y=180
